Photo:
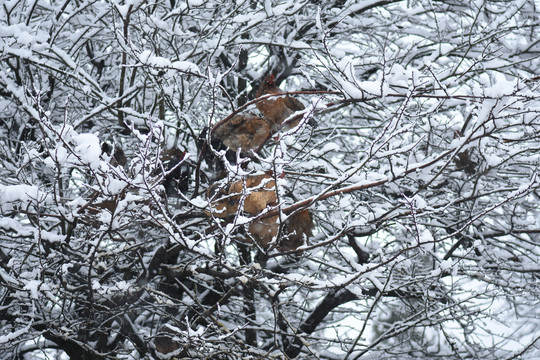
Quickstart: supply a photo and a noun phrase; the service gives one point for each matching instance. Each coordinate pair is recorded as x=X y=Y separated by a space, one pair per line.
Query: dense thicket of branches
x=421 y=178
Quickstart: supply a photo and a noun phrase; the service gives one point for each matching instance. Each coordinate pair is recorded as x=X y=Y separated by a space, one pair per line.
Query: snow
x=352 y=90
x=23 y=53
x=60 y=156
x=192 y=3
x=501 y=86
x=96 y=285
x=185 y=66
x=115 y=186
x=493 y=160
x=123 y=10
x=14 y=193
x=146 y=57
x=7 y=278
x=24 y=38
x=419 y=202
x=251 y=18
x=14 y=335
x=485 y=111
x=375 y=281
x=375 y=137
x=300 y=45
x=325 y=149
x=318 y=22
x=158 y=61
x=34 y=287
x=88 y=149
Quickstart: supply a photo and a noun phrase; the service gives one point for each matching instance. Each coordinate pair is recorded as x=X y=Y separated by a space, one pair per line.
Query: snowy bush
x=405 y=225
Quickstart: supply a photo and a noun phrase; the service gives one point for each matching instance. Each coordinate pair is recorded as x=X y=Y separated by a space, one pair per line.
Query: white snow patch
x=185 y=66
x=88 y=149
x=34 y=287
x=12 y=193
x=14 y=335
